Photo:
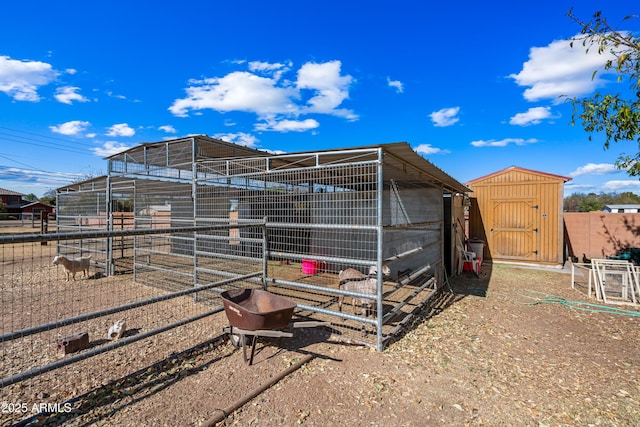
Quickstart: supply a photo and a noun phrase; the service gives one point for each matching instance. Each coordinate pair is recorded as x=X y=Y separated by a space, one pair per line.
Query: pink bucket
x=310 y=266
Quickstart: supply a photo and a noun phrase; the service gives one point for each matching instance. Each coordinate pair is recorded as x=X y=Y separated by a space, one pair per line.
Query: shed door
x=514 y=230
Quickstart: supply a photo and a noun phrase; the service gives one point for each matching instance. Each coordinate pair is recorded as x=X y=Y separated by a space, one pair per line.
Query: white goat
x=356 y=281
x=73 y=266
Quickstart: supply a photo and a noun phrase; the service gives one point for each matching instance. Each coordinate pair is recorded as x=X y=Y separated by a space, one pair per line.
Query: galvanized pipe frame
x=226 y=256
x=30 y=238
x=49 y=237
x=101 y=313
x=101 y=349
x=257 y=176
x=436 y=291
x=321 y=289
x=327 y=259
x=380 y=230
x=347 y=158
x=297 y=169
x=415 y=293
x=261 y=174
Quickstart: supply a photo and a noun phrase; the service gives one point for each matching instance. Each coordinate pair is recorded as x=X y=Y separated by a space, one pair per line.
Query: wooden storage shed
x=518 y=213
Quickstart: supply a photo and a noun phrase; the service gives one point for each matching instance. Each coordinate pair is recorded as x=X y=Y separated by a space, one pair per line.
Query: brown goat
x=355 y=281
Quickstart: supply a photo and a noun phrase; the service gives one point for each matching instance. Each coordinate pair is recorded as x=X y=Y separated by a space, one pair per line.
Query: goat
x=73 y=266
x=355 y=281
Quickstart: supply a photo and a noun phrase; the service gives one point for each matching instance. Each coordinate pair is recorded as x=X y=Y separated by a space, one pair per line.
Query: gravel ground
x=515 y=347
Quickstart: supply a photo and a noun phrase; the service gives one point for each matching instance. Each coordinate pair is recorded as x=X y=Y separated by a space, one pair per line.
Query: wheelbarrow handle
x=310 y=324
x=260 y=332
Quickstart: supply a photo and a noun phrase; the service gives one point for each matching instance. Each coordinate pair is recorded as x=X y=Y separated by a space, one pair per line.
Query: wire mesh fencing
x=331 y=211
x=68 y=327
x=325 y=212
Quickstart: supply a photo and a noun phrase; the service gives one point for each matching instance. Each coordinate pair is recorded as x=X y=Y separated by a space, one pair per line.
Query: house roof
x=5 y=192
x=26 y=205
x=518 y=168
x=623 y=206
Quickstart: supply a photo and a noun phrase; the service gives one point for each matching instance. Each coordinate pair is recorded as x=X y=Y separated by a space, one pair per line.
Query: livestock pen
x=54 y=339
x=176 y=223
x=324 y=211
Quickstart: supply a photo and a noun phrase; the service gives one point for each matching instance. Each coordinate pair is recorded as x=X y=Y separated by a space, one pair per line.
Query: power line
x=41 y=141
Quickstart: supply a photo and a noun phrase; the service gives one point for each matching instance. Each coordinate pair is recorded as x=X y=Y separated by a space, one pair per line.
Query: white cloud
x=68 y=94
x=397 y=84
x=621 y=185
x=239 y=138
x=73 y=127
x=595 y=169
x=320 y=88
x=503 y=142
x=167 y=129
x=113 y=95
x=287 y=125
x=275 y=69
x=110 y=148
x=571 y=188
x=37 y=177
x=237 y=91
x=533 y=116
x=426 y=149
x=265 y=66
x=559 y=70
x=330 y=86
x=445 y=116
x=121 y=129
x=21 y=79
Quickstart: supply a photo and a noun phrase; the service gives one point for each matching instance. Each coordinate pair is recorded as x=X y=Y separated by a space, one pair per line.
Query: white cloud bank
x=503 y=142
x=559 y=70
x=37 y=177
x=621 y=185
x=595 y=169
x=21 y=79
x=319 y=88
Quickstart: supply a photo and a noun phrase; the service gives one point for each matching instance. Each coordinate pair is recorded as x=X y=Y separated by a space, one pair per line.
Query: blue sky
x=475 y=87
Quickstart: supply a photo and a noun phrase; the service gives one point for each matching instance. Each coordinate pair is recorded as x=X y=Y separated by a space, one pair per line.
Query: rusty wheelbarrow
x=258 y=313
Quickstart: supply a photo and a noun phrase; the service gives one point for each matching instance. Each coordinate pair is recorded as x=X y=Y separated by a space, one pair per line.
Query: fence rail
x=41 y=309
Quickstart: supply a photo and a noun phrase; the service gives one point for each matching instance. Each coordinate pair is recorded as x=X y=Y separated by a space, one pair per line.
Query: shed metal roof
x=207 y=148
x=518 y=168
x=402 y=161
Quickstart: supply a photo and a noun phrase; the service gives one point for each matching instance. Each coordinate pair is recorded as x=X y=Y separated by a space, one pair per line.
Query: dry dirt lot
x=515 y=347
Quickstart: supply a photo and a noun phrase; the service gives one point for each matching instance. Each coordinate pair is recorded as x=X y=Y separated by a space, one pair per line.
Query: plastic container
x=477 y=246
x=309 y=266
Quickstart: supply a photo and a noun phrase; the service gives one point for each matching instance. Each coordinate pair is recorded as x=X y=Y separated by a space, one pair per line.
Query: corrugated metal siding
x=519 y=215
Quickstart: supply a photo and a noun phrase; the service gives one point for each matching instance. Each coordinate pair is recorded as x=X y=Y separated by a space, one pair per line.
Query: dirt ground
x=516 y=347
